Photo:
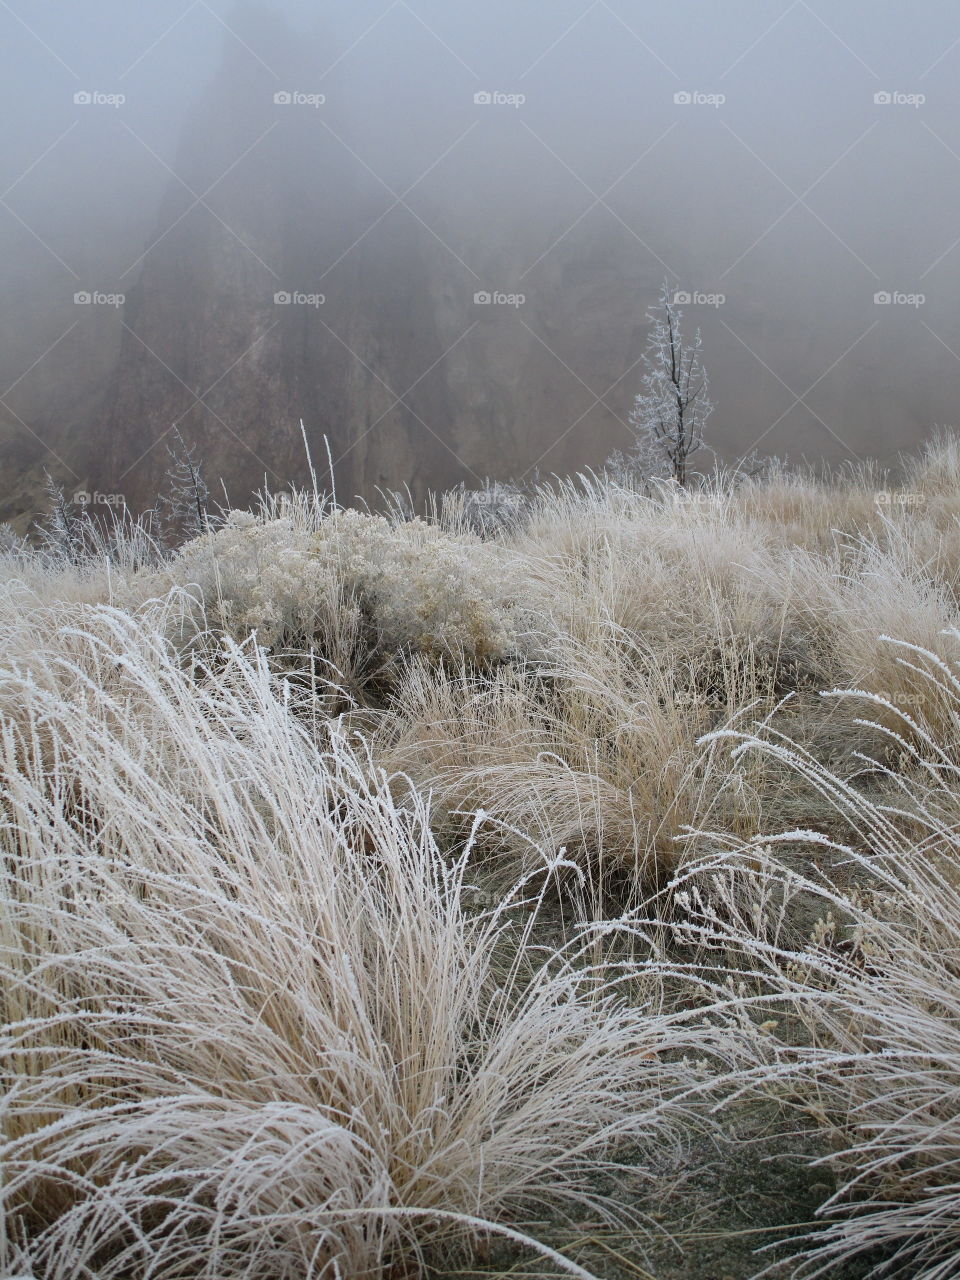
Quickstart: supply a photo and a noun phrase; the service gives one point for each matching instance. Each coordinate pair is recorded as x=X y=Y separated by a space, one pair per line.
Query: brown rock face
x=411 y=381
x=211 y=342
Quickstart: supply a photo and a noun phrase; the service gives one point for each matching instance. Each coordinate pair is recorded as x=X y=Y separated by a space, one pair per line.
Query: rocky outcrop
x=209 y=343
x=411 y=381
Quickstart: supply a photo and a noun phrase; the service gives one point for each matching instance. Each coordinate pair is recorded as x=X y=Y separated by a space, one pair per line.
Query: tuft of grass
x=250 y=1024
x=853 y=954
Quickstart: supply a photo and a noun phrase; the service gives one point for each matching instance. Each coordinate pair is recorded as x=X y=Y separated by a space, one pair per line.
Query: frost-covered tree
x=11 y=543
x=184 y=506
x=61 y=529
x=671 y=410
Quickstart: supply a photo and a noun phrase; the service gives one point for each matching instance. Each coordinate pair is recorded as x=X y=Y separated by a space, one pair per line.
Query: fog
x=228 y=217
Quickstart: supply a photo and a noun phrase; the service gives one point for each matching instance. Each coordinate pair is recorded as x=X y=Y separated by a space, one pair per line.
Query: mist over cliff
x=433 y=231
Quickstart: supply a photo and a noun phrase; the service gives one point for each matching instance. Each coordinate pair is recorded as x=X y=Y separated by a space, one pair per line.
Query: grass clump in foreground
x=250 y=1026
x=870 y=996
x=377 y=888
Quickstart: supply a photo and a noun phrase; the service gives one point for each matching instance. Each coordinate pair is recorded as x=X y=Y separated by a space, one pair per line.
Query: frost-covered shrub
x=252 y=576
x=406 y=586
x=427 y=589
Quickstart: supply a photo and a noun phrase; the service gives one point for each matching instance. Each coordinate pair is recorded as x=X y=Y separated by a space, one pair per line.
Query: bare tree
x=11 y=543
x=185 y=506
x=61 y=530
x=670 y=412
